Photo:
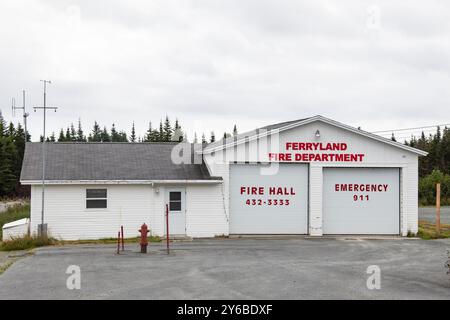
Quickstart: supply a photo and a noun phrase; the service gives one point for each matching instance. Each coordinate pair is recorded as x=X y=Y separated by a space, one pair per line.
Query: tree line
x=432 y=169
x=435 y=167
x=166 y=132
x=12 y=145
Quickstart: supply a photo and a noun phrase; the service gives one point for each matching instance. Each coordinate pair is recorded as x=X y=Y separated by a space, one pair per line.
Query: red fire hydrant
x=144 y=241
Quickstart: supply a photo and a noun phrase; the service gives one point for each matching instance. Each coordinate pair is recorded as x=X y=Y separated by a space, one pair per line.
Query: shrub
x=427 y=188
x=25 y=243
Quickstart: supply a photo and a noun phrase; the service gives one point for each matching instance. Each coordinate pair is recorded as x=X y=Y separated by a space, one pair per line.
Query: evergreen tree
x=52 y=137
x=445 y=159
x=393 y=137
x=235 y=132
x=133 y=134
x=73 y=133
x=213 y=137
x=123 y=136
x=203 y=139
x=167 y=130
x=151 y=134
x=104 y=135
x=11 y=130
x=68 y=136
x=8 y=157
x=148 y=133
x=95 y=136
x=115 y=136
x=19 y=142
x=61 y=137
x=177 y=134
x=80 y=133
x=2 y=125
x=161 y=132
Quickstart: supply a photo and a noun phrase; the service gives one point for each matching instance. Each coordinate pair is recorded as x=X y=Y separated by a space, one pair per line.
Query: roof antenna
x=25 y=114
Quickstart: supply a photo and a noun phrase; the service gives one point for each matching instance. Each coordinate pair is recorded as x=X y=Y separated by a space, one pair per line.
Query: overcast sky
x=211 y=64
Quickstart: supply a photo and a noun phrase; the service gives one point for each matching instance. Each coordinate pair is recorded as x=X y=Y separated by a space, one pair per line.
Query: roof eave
x=122 y=182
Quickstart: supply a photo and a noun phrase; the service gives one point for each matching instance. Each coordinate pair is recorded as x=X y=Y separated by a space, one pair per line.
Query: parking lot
x=300 y=268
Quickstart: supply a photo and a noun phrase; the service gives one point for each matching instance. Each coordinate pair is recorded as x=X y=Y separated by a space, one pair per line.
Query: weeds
x=427 y=231
x=109 y=240
x=26 y=243
x=6 y=265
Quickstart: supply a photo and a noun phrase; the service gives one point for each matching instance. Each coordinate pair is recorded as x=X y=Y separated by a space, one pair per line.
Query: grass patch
x=109 y=240
x=427 y=231
x=26 y=243
x=6 y=265
x=14 y=213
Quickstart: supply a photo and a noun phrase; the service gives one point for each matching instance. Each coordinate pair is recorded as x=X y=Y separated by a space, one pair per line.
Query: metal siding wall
x=411 y=199
x=218 y=168
x=67 y=217
x=376 y=153
x=315 y=200
x=157 y=211
x=205 y=216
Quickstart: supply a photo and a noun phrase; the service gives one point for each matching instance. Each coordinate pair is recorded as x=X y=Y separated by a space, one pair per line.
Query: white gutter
x=151 y=182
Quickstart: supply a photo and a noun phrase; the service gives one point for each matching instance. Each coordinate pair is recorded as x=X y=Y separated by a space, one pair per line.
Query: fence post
x=438 y=207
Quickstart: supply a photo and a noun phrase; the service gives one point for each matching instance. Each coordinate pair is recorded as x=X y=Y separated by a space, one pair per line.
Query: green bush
x=14 y=213
x=25 y=243
x=427 y=188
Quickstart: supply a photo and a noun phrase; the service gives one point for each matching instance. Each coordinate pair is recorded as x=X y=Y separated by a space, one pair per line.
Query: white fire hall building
x=312 y=176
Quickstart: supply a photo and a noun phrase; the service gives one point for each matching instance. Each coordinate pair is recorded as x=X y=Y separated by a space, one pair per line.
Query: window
x=96 y=199
x=175 y=201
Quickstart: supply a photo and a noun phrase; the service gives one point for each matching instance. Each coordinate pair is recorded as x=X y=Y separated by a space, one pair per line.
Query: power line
x=412 y=133
x=416 y=128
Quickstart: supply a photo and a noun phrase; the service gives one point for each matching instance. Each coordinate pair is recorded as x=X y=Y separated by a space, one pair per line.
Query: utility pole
x=25 y=114
x=42 y=227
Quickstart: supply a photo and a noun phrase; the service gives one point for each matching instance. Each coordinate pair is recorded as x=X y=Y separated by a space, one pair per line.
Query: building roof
x=282 y=126
x=107 y=162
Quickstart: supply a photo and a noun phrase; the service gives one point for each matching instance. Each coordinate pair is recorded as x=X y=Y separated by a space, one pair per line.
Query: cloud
x=216 y=63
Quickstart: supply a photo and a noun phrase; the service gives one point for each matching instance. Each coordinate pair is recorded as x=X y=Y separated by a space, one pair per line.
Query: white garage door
x=361 y=201
x=263 y=203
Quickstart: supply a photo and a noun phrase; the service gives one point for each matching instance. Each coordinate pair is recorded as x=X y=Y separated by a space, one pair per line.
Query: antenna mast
x=25 y=114
x=42 y=228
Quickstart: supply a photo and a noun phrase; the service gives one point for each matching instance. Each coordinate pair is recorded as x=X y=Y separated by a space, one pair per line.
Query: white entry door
x=177 y=212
